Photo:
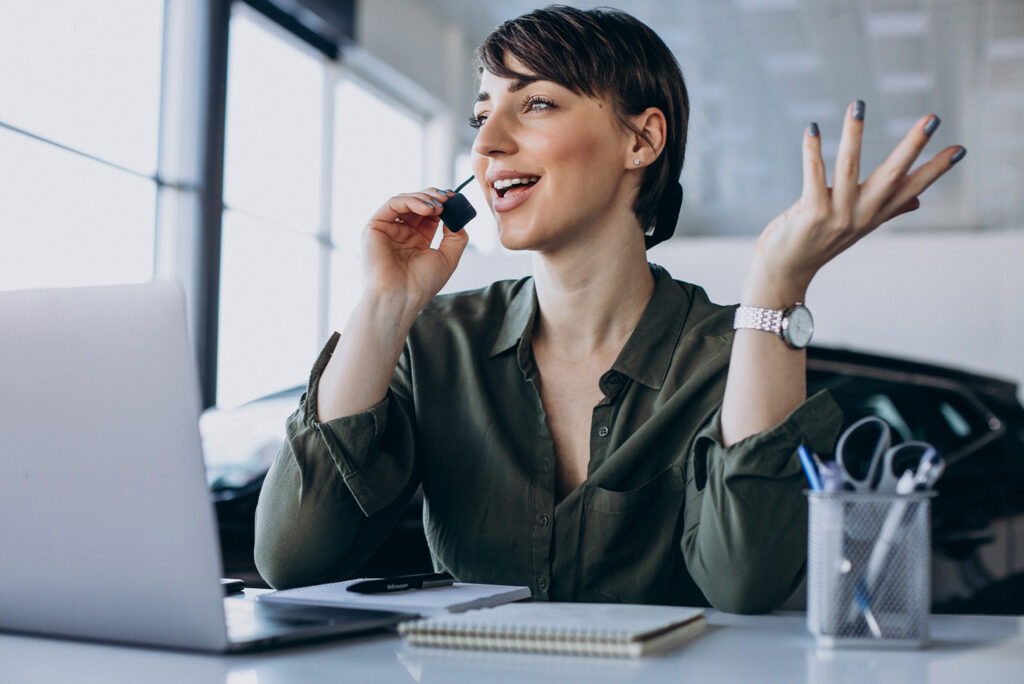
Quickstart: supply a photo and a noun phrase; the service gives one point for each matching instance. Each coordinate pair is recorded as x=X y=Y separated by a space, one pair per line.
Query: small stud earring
x=636 y=162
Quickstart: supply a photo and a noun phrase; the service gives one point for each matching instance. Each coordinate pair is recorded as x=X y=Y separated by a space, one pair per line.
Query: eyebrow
x=516 y=85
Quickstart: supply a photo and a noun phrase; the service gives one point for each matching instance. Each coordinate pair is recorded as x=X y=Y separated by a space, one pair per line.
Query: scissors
x=869 y=460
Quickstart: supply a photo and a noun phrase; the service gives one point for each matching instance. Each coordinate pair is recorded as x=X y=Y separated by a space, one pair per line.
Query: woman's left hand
x=826 y=221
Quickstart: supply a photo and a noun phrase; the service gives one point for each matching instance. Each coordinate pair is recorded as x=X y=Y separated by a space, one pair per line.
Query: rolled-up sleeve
x=745 y=517
x=336 y=488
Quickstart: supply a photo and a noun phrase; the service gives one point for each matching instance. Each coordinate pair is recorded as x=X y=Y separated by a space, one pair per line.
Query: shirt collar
x=647 y=353
x=519 y=317
x=649 y=350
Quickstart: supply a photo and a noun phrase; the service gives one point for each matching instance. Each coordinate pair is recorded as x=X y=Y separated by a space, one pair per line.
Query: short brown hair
x=602 y=52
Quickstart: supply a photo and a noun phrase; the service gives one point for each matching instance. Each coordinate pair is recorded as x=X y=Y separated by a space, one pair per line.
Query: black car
x=976 y=422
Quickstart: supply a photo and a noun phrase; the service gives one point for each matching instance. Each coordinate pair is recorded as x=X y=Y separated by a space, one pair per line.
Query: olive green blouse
x=667 y=514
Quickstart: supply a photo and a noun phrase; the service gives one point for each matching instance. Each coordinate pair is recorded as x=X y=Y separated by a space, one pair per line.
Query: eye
x=537 y=104
x=477 y=120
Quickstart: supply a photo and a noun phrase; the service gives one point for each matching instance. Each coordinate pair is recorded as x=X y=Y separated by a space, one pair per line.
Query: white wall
x=405 y=34
x=953 y=299
x=414 y=40
x=947 y=298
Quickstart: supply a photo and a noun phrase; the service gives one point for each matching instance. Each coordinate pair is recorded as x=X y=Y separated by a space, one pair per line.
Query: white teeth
x=509 y=182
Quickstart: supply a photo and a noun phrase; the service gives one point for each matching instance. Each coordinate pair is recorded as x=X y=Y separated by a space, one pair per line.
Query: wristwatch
x=794 y=325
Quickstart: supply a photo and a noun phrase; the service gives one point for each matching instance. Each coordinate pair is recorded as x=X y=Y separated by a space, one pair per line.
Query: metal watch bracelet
x=757 y=318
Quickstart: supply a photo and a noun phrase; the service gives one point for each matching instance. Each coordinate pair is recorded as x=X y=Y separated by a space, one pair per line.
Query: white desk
x=774 y=648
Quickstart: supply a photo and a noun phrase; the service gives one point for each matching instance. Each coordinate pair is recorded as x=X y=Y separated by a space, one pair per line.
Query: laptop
x=107 y=528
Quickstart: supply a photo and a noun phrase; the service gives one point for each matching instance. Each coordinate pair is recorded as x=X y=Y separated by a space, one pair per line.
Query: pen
x=895 y=527
x=809 y=468
x=929 y=470
x=831 y=475
x=403 y=583
x=864 y=603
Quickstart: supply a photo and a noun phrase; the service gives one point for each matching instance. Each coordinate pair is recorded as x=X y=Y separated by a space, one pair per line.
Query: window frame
x=191 y=127
x=161 y=183
x=352 y=64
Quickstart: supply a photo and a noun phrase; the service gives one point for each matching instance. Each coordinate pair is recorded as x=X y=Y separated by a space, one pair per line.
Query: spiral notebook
x=598 y=629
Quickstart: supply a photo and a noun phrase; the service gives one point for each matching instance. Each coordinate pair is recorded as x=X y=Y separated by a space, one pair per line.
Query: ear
x=648 y=131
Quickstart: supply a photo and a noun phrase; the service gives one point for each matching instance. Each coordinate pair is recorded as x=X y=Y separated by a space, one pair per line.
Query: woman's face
x=552 y=164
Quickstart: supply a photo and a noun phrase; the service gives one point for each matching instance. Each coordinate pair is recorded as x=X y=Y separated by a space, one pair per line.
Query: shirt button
x=542 y=583
x=615 y=378
x=543 y=520
x=602 y=431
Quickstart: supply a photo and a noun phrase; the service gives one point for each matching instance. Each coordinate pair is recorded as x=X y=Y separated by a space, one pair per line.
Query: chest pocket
x=629 y=543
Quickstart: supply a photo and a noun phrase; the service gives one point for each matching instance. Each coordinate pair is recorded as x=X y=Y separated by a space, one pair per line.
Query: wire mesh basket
x=869 y=568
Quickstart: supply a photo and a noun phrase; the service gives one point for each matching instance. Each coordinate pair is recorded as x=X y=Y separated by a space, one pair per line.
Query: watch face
x=799 y=327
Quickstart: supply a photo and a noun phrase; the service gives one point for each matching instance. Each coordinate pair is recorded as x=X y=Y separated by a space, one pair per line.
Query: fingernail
x=436 y=203
x=932 y=124
x=958 y=155
x=813 y=131
x=858 y=110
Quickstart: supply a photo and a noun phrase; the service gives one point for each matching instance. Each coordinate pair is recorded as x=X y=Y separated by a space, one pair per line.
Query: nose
x=494 y=137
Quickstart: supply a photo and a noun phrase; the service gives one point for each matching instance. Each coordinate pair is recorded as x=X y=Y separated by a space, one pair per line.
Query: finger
x=438 y=194
x=912 y=205
x=406 y=218
x=815 y=185
x=882 y=184
x=846 y=180
x=407 y=206
x=437 y=203
x=919 y=181
x=452 y=246
x=408 y=229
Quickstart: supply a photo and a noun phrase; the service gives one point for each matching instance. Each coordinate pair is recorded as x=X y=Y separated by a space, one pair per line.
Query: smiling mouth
x=510 y=187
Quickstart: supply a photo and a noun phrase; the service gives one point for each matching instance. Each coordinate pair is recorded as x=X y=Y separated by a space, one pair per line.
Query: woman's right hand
x=399 y=260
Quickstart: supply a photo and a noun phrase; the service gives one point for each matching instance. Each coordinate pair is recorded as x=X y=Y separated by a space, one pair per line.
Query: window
x=309 y=154
x=272 y=177
x=273 y=134
x=378 y=152
x=79 y=121
x=311 y=151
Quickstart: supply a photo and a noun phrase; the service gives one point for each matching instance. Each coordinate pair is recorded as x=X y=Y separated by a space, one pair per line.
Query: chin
x=516 y=238
x=513 y=242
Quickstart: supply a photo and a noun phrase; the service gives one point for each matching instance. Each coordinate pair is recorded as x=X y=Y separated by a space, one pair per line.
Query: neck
x=591 y=296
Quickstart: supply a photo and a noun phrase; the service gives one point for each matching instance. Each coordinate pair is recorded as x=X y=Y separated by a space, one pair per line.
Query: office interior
x=238 y=146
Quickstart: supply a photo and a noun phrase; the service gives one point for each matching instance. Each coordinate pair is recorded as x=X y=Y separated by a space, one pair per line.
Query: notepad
x=598 y=629
x=425 y=602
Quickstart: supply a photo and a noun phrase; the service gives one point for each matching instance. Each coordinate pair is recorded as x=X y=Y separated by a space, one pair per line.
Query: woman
x=598 y=431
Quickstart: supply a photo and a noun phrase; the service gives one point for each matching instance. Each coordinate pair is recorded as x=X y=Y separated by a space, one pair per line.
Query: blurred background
x=240 y=145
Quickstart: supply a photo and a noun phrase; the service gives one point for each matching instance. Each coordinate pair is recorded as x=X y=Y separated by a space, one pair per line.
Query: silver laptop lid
x=107 y=530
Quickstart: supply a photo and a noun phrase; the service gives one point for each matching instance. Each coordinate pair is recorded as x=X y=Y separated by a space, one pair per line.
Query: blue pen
x=810 y=469
x=864 y=603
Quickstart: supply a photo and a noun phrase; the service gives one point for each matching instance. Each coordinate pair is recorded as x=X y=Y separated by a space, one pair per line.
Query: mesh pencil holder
x=869 y=569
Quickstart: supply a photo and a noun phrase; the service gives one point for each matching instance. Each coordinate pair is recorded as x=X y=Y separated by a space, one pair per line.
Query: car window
x=944 y=416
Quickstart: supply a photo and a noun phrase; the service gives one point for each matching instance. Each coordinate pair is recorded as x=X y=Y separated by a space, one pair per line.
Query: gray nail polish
x=813 y=130
x=436 y=203
x=932 y=124
x=958 y=155
x=858 y=110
